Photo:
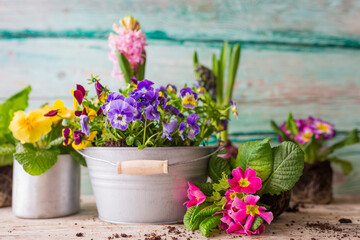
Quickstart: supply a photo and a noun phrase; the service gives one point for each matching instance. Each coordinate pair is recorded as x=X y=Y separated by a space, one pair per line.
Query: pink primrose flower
x=245 y=182
x=195 y=195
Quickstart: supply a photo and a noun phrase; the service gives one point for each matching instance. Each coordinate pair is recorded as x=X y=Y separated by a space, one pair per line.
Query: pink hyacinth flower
x=247 y=210
x=129 y=42
x=245 y=182
x=195 y=195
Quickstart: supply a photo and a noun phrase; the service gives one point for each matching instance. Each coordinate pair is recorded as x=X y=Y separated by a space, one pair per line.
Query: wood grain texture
x=288 y=226
x=323 y=23
x=271 y=82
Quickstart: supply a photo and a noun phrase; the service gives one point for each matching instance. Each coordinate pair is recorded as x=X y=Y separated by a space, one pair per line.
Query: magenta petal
x=233 y=182
x=239 y=216
x=238 y=203
x=52 y=113
x=78 y=113
x=238 y=173
x=81 y=89
x=251 y=199
x=234 y=227
x=267 y=216
x=249 y=222
x=79 y=96
x=250 y=173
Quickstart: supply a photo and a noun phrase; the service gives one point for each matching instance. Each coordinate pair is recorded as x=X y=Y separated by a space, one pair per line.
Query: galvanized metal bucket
x=144 y=185
x=55 y=193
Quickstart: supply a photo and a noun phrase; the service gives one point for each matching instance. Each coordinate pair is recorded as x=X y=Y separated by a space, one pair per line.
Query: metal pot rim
x=151 y=148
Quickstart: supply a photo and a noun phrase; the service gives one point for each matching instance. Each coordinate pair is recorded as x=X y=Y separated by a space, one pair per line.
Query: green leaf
x=277 y=130
x=55 y=143
x=6 y=154
x=6 y=160
x=206 y=188
x=35 y=162
x=124 y=66
x=311 y=150
x=190 y=216
x=140 y=73
x=209 y=224
x=195 y=59
x=256 y=155
x=78 y=157
x=257 y=223
x=351 y=138
x=17 y=102
x=130 y=140
x=7 y=149
x=217 y=166
x=233 y=67
x=291 y=125
x=346 y=165
x=287 y=169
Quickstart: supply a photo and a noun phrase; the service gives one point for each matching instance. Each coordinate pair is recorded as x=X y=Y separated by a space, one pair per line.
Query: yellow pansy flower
x=85 y=141
x=29 y=128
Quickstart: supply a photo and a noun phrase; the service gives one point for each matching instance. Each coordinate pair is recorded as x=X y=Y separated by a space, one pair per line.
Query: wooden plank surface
x=305 y=224
x=305 y=22
x=272 y=80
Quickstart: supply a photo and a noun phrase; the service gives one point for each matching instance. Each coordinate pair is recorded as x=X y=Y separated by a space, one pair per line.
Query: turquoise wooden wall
x=299 y=56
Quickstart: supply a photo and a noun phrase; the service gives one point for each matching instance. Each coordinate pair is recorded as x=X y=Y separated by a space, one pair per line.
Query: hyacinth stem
x=233 y=67
x=124 y=66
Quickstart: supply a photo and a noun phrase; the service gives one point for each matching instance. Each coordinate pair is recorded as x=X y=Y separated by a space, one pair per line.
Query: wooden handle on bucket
x=142 y=167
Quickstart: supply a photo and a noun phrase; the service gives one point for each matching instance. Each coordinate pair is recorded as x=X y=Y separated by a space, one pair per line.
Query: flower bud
x=130 y=23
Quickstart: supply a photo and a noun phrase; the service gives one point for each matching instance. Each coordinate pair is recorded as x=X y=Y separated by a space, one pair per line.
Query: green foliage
x=287 y=169
x=196 y=214
x=257 y=223
x=256 y=155
x=311 y=150
x=346 y=166
x=35 y=161
x=206 y=188
x=79 y=158
x=209 y=224
x=17 y=102
x=124 y=66
x=277 y=130
x=218 y=166
x=291 y=125
x=350 y=139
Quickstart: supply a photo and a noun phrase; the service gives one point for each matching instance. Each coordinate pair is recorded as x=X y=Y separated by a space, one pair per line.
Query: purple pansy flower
x=181 y=130
x=66 y=134
x=172 y=110
x=84 y=122
x=52 y=113
x=78 y=136
x=152 y=113
x=192 y=123
x=169 y=128
x=79 y=93
x=120 y=114
x=112 y=96
x=143 y=89
x=234 y=109
x=189 y=97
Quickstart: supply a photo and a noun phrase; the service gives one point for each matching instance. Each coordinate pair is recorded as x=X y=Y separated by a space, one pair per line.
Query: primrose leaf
x=209 y=223
x=55 y=143
x=190 y=216
x=350 y=139
x=130 y=140
x=7 y=149
x=78 y=157
x=256 y=155
x=346 y=166
x=6 y=154
x=291 y=125
x=257 y=223
x=287 y=169
x=311 y=149
x=17 y=102
x=6 y=160
x=278 y=130
x=206 y=188
x=33 y=161
x=217 y=166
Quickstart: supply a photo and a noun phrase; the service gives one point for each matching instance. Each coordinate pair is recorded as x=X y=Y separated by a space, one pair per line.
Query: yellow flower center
x=323 y=127
x=244 y=182
x=171 y=89
x=189 y=100
x=197 y=199
x=232 y=195
x=252 y=210
x=306 y=136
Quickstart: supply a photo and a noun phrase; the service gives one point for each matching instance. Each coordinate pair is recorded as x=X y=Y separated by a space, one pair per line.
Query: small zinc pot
x=315 y=185
x=144 y=185
x=55 y=193
x=5 y=185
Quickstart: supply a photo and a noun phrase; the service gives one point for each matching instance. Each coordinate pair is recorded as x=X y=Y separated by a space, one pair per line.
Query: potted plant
x=235 y=201
x=213 y=80
x=17 y=102
x=46 y=178
x=313 y=135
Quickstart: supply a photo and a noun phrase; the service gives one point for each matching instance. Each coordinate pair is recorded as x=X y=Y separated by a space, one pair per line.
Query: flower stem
x=144 y=131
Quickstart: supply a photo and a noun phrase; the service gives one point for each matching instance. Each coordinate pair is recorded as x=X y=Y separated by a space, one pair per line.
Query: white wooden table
x=312 y=222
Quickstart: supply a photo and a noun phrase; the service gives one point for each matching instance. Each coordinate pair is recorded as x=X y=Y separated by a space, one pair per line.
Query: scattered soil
x=79 y=234
x=173 y=230
x=345 y=220
x=323 y=227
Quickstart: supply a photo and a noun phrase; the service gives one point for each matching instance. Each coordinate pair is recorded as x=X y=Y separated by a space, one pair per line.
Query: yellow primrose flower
x=82 y=140
x=29 y=128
